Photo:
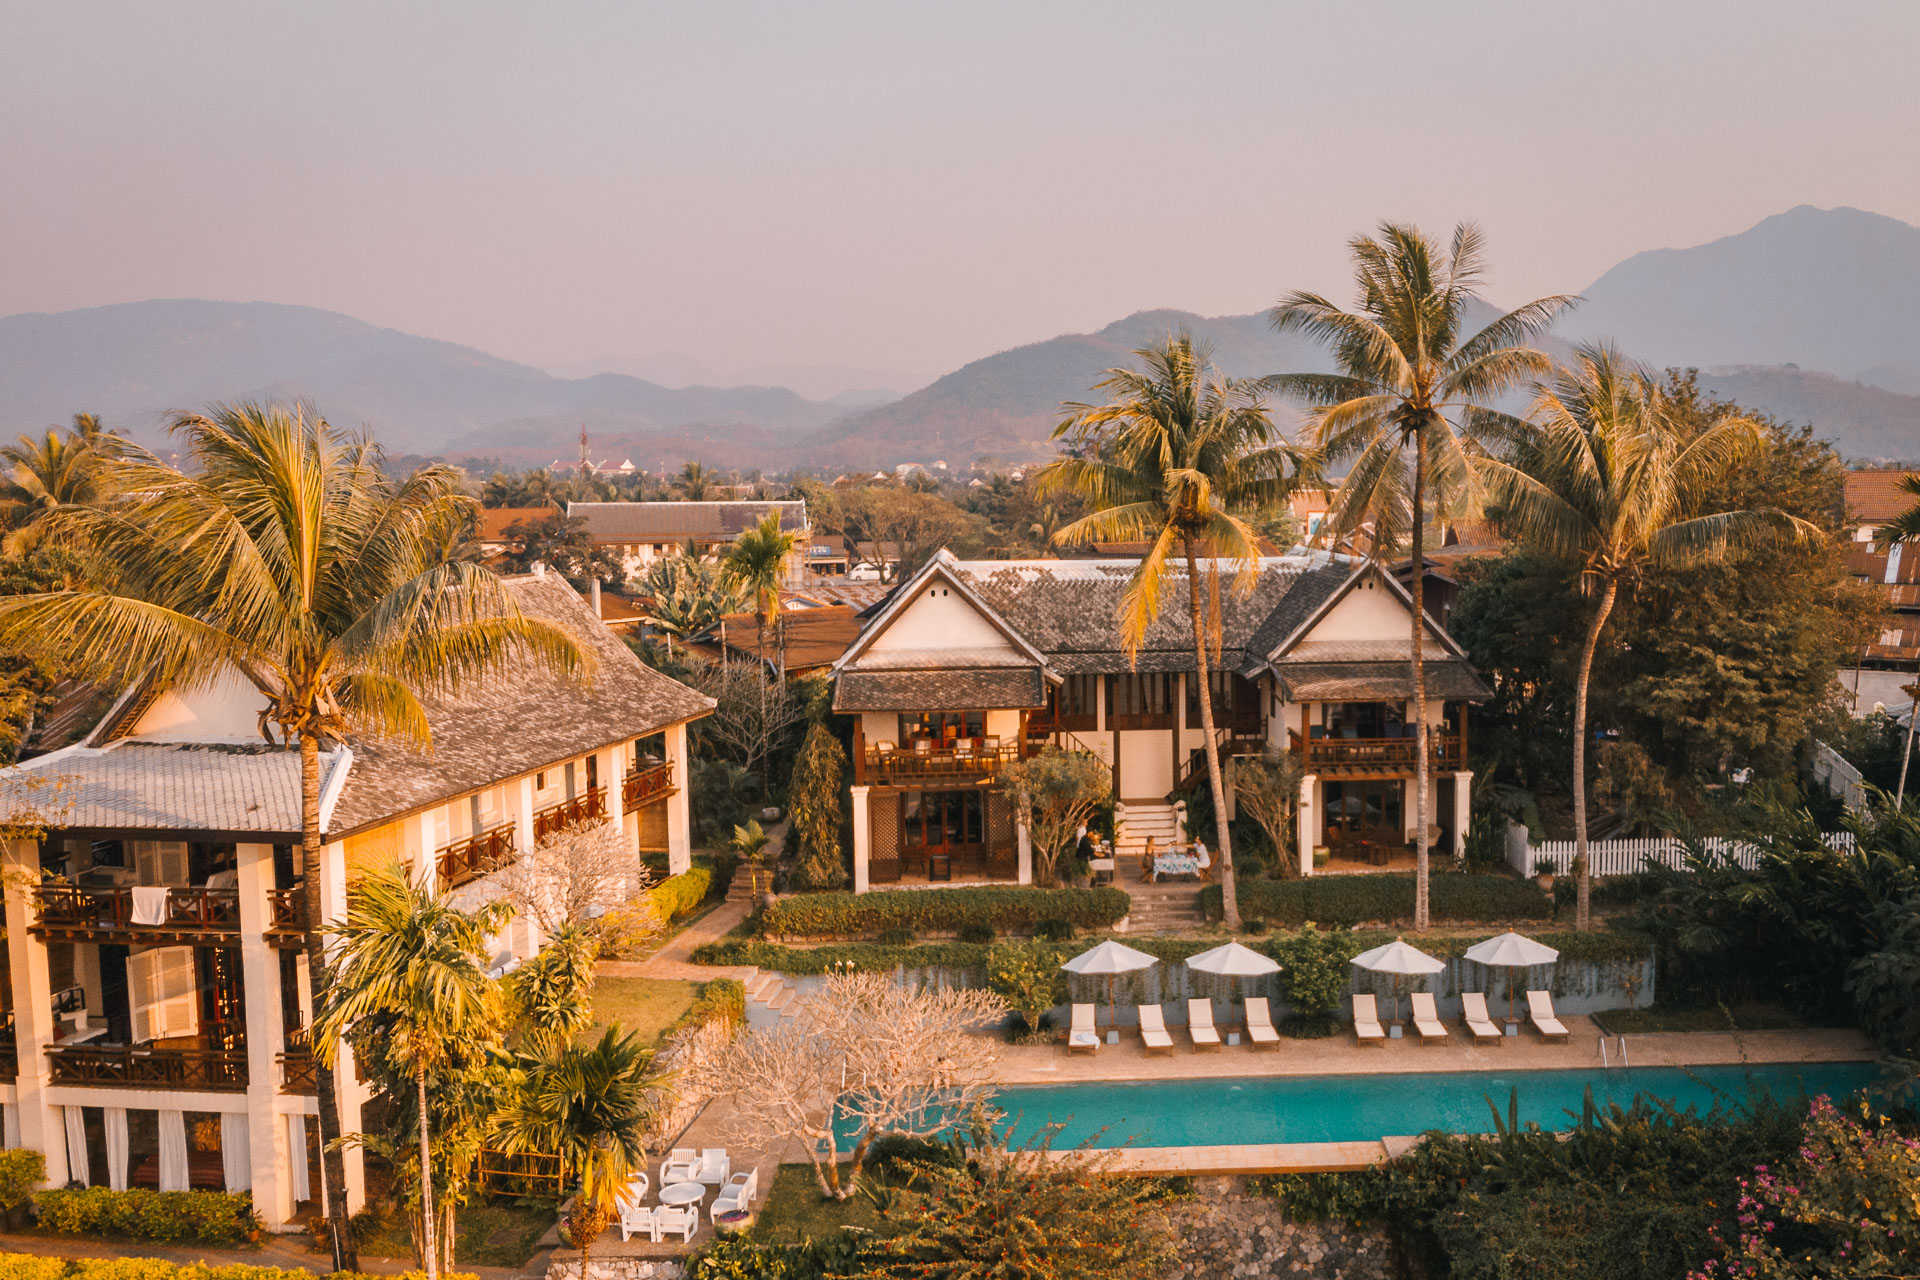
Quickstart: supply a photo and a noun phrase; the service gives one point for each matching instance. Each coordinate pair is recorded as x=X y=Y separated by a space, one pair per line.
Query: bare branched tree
x=1268 y=790
x=756 y=712
x=574 y=876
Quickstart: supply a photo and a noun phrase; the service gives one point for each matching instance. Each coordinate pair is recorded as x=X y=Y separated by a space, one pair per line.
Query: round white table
x=682 y=1192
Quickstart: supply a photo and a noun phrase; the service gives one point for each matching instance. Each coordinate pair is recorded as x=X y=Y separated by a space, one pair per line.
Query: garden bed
x=1383 y=899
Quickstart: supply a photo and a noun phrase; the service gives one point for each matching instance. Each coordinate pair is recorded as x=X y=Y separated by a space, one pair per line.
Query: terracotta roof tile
x=1874 y=497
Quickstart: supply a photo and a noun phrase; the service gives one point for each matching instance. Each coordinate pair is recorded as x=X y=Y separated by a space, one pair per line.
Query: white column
x=613 y=776
x=680 y=803
x=42 y=1126
x=348 y=1090
x=1309 y=828
x=520 y=804
x=260 y=973
x=862 y=839
x=417 y=851
x=1023 y=846
x=1462 y=809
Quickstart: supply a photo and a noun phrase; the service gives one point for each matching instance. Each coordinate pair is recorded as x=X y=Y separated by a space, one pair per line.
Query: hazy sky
x=896 y=188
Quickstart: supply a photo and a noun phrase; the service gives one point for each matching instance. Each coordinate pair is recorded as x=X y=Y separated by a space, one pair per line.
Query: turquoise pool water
x=1240 y=1111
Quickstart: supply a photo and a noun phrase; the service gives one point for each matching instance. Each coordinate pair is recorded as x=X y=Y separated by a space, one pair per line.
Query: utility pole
x=1906 y=757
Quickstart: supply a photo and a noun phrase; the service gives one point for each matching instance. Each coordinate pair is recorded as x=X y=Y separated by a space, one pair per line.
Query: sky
x=848 y=195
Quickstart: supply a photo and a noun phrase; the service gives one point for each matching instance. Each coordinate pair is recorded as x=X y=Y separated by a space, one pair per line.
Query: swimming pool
x=1359 y=1108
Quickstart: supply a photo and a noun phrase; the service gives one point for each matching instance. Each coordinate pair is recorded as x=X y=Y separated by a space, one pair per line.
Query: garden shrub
x=850 y=915
x=721 y=1000
x=205 y=1217
x=1316 y=970
x=976 y=931
x=677 y=895
x=895 y=938
x=1054 y=930
x=737 y=1258
x=21 y=1170
x=1350 y=900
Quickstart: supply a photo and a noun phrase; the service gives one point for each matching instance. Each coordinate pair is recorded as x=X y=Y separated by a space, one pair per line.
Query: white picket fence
x=1625 y=857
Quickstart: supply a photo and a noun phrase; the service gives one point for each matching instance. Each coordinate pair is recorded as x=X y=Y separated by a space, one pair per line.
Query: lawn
x=1740 y=1017
x=793 y=1210
x=487 y=1235
x=645 y=1005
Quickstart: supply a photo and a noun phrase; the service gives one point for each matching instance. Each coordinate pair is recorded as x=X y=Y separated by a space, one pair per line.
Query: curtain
x=116 y=1147
x=9 y=1125
x=173 y=1151
x=297 y=1153
x=77 y=1170
x=235 y=1158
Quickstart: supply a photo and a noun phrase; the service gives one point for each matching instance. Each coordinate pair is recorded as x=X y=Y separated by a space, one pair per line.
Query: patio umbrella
x=1110 y=959
x=1233 y=961
x=1511 y=951
x=1400 y=960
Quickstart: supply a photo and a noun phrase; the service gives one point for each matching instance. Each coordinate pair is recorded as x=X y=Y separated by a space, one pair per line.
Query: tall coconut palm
x=695 y=483
x=1410 y=379
x=1172 y=458
x=1606 y=474
x=407 y=958
x=756 y=563
x=47 y=475
x=288 y=555
x=592 y=1105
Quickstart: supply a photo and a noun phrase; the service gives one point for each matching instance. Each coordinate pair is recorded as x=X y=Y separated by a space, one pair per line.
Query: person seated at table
x=1147 y=856
x=1201 y=856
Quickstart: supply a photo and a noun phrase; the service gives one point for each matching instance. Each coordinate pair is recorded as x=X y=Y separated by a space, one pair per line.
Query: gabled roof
x=943 y=567
x=1321 y=601
x=677 y=521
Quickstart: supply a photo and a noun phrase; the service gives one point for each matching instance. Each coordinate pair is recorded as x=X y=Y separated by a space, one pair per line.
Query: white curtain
x=116 y=1147
x=173 y=1151
x=9 y=1125
x=297 y=1161
x=77 y=1169
x=236 y=1159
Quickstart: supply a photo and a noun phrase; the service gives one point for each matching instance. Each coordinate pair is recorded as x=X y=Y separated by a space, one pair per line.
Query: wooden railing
x=589 y=806
x=1363 y=755
x=945 y=764
x=299 y=1073
x=469 y=859
x=135 y=1067
x=286 y=912
x=644 y=786
x=91 y=908
x=522 y=1173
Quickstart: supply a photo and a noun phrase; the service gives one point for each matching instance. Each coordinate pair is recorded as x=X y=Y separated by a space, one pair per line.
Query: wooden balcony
x=188 y=914
x=469 y=859
x=942 y=766
x=589 y=806
x=1378 y=757
x=645 y=786
x=147 y=1067
x=299 y=1072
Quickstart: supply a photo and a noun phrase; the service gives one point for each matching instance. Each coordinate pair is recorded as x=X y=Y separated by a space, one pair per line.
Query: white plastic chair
x=638 y=1220
x=670 y=1218
x=713 y=1166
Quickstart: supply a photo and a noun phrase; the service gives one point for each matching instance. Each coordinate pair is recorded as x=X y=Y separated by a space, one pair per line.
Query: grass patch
x=794 y=1211
x=647 y=1006
x=487 y=1235
x=1740 y=1017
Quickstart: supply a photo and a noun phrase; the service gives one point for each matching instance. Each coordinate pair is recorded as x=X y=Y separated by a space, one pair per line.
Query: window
x=1140 y=700
x=163 y=990
x=1890 y=637
x=160 y=861
x=540 y=781
x=942 y=726
x=1079 y=702
x=1364 y=719
x=942 y=819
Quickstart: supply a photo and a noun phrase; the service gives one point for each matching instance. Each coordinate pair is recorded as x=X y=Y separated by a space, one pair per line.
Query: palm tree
x=406 y=957
x=1171 y=458
x=1606 y=474
x=756 y=563
x=592 y=1106
x=288 y=554
x=47 y=475
x=1409 y=378
x=695 y=483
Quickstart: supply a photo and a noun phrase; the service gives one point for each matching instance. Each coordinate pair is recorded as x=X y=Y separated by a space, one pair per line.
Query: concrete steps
x=771 y=998
x=1163 y=908
x=1138 y=822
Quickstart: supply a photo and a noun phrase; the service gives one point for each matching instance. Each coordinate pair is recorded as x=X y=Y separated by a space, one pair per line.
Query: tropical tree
x=287 y=554
x=1605 y=474
x=695 y=483
x=47 y=475
x=1173 y=458
x=590 y=1105
x=405 y=955
x=687 y=595
x=1410 y=380
x=813 y=803
x=756 y=563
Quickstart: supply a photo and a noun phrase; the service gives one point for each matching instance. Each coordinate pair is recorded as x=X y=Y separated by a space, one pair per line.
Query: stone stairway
x=771 y=999
x=1160 y=908
x=1138 y=821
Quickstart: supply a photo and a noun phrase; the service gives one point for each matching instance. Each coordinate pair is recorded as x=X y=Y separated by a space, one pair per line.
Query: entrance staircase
x=1171 y=907
x=772 y=999
x=1141 y=819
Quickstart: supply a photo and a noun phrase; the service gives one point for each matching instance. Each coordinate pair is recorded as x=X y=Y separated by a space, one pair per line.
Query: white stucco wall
x=937 y=618
x=225 y=710
x=1371 y=612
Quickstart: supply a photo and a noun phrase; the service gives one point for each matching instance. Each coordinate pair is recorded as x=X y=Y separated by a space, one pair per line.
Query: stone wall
x=1225 y=1234
x=567 y=1267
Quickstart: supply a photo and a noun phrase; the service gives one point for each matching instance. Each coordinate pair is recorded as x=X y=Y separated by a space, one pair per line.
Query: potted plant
x=1543 y=873
x=733 y=1222
x=1321 y=855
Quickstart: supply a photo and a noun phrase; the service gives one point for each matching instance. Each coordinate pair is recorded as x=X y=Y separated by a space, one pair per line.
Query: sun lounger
x=1426 y=1018
x=668 y=1218
x=1260 y=1022
x=637 y=1220
x=1153 y=1029
x=1474 y=1008
x=1540 y=1010
x=1081 y=1037
x=1200 y=1024
x=1366 y=1021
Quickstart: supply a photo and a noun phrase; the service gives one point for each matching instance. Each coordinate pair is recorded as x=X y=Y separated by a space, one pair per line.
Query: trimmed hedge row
x=205 y=1217
x=33 y=1266
x=722 y=1000
x=1344 y=901
x=677 y=895
x=853 y=915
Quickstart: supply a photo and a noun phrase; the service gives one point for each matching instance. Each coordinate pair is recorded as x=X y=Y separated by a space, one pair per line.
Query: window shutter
x=162 y=993
x=160 y=861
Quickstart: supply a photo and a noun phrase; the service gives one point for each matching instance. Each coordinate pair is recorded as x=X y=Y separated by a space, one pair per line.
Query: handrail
x=644 y=786
x=469 y=859
x=945 y=765
x=1375 y=753
x=188 y=908
x=139 y=1067
x=590 y=805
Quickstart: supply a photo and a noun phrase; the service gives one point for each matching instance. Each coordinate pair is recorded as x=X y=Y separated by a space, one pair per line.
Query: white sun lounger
x=1473 y=1005
x=1081 y=1037
x=1366 y=1021
x=1426 y=1018
x=1260 y=1022
x=1540 y=1010
x=1153 y=1029
x=1200 y=1024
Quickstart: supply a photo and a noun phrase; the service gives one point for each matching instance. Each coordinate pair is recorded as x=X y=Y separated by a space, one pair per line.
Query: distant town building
x=642 y=532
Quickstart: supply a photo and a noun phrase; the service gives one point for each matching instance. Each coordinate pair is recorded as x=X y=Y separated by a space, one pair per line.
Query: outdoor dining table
x=1175 y=864
x=682 y=1192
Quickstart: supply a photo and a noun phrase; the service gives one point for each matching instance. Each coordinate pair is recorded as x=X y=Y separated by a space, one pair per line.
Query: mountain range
x=1806 y=315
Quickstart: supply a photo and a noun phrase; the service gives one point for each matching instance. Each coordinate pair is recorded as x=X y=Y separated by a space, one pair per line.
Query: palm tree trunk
x=429 y=1227
x=333 y=1162
x=1583 y=873
x=1229 y=899
x=1421 y=767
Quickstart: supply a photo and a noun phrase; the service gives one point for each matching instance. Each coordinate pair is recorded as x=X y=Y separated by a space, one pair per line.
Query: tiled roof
x=151 y=786
x=811 y=637
x=675 y=521
x=860 y=595
x=1449 y=679
x=490 y=525
x=952 y=690
x=1875 y=497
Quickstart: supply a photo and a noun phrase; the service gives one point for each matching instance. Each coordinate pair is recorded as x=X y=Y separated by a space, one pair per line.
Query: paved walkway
x=674 y=960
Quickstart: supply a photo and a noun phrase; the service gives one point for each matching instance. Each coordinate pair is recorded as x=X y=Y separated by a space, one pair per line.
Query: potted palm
x=1543 y=873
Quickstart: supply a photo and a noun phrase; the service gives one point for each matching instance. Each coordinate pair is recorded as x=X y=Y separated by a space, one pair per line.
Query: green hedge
x=1344 y=901
x=33 y=1266
x=722 y=999
x=853 y=915
x=205 y=1217
x=677 y=895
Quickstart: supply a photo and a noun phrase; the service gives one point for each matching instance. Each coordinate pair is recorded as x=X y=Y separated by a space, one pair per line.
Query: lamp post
x=1906 y=756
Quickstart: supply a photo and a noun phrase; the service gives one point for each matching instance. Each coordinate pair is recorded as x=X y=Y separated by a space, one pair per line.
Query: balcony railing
x=140 y=1067
x=645 y=785
x=589 y=806
x=1377 y=755
x=9 y=1047
x=469 y=859
x=94 y=908
x=299 y=1073
x=947 y=763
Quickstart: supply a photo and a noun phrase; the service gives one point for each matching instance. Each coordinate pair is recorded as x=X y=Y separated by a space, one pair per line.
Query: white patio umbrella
x=1400 y=960
x=1110 y=959
x=1234 y=962
x=1511 y=951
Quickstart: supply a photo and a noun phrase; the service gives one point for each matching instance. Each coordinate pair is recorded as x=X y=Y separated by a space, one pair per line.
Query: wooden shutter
x=161 y=861
x=163 y=993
